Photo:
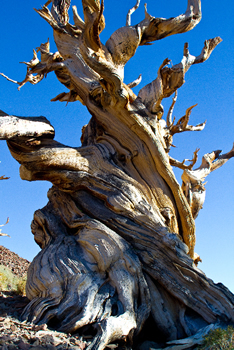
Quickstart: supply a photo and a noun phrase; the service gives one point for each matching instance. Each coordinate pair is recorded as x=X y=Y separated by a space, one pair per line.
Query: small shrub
x=21 y=286
x=219 y=339
x=11 y=282
x=3 y=281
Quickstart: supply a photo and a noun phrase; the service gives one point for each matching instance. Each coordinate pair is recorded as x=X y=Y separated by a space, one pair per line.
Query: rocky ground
x=15 y=334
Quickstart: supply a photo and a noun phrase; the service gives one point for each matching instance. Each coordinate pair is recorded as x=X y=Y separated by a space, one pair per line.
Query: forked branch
x=169 y=79
x=192 y=180
x=182 y=124
x=159 y=28
x=94 y=23
x=3 y=177
x=148 y=30
x=1 y=233
x=182 y=165
x=212 y=161
x=30 y=78
x=37 y=70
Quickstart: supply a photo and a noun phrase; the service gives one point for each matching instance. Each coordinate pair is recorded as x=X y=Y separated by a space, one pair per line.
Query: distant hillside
x=17 y=265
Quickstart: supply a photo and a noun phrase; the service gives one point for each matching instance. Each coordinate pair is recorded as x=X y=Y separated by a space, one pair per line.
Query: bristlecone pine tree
x=117 y=235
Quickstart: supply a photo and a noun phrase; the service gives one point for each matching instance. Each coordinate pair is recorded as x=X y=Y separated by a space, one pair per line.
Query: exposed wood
x=117 y=236
x=193 y=185
x=130 y=12
x=15 y=127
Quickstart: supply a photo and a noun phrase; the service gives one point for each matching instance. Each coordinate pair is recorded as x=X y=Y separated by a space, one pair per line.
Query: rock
x=23 y=346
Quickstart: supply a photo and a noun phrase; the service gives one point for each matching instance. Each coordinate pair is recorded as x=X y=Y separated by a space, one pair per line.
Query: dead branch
x=37 y=70
x=30 y=78
x=77 y=19
x=135 y=82
x=70 y=96
x=182 y=124
x=4 y=234
x=170 y=122
x=209 y=46
x=170 y=79
x=182 y=165
x=3 y=177
x=152 y=94
x=130 y=12
x=159 y=28
x=192 y=180
x=150 y=29
x=94 y=23
x=5 y=223
x=12 y=127
x=214 y=160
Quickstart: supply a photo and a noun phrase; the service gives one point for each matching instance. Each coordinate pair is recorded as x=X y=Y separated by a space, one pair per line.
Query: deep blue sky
x=209 y=84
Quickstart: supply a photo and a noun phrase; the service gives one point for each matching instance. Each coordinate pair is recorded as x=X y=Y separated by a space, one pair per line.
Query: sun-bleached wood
x=117 y=236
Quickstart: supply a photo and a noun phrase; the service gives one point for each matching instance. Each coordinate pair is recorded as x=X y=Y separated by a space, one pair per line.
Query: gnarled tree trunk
x=117 y=236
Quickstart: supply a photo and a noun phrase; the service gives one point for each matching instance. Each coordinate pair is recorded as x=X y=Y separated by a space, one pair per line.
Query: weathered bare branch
x=182 y=124
x=6 y=221
x=209 y=46
x=34 y=61
x=37 y=70
x=171 y=78
x=4 y=234
x=1 y=233
x=70 y=96
x=12 y=127
x=214 y=160
x=94 y=23
x=130 y=12
x=170 y=122
x=152 y=94
x=77 y=19
x=3 y=177
x=169 y=129
x=135 y=82
x=192 y=184
x=48 y=2
x=182 y=165
x=9 y=79
x=159 y=28
x=47 y=15
x=30 y=78
x=150 y=29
